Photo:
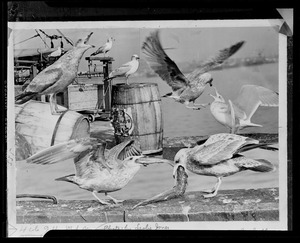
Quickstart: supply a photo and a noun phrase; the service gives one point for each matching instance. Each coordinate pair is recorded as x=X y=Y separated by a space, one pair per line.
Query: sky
x=190 y=44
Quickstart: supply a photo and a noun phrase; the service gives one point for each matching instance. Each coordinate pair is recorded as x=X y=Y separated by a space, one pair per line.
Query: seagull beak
x=153 y=160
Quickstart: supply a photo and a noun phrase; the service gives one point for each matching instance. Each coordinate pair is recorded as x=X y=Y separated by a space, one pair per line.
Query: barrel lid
x=134 y=85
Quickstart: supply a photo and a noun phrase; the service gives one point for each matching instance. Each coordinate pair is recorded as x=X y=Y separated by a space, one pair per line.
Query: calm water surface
x=178 y=121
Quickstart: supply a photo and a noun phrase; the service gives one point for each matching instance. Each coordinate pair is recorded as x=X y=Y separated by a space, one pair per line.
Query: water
x=178 y=121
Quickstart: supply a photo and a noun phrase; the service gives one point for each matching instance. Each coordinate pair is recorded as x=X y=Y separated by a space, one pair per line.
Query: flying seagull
x=56 y=77
x=185 y=89
x=126 y=69
x=238 y=113
x=104 y=48
x=220 y=157
x=96 y=168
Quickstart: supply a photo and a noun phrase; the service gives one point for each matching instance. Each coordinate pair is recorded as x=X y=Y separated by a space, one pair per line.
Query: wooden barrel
x=136 y=113
x=22 y=147
x=41 y=129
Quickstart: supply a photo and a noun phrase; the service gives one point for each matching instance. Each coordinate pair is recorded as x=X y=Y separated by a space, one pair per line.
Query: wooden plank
x=229 y=205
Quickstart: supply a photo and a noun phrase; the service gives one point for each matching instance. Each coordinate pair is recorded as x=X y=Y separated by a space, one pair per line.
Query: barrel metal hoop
x=21 y=111
x=137 y=103
x=56 y=127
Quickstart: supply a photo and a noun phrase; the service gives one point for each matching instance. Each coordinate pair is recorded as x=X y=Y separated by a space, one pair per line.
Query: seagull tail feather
x=68 y=178
x=264 y=166
x=248 y=123
x=24 y=97
x=167 y=95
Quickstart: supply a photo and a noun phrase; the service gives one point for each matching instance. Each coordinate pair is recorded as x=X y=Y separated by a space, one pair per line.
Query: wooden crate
x=81 y=97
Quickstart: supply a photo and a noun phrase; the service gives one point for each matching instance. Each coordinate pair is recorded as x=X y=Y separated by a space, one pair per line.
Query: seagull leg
x=101 y=201
x=53 y=105
x=215 y=189
x=116 y=201
x=127 y=80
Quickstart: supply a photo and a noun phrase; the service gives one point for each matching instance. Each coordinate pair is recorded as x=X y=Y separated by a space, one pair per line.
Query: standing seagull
x=56 y=77
x=56 y=53
x=104 y=48
x=237 y=115
x=126 y=69
x=97 y=170
x=220 y=156
x=188 y=88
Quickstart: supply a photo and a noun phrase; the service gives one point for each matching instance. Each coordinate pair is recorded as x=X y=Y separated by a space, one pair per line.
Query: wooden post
x=107 y=67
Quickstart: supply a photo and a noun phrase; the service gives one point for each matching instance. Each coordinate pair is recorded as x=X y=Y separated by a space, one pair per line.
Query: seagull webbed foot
x=210 y=194
x=101 y=201
x=116 y=201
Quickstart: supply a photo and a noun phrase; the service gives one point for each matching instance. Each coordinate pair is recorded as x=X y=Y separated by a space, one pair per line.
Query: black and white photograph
x=146 y=125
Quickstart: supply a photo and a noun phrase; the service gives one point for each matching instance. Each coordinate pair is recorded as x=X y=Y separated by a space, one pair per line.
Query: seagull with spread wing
x=126 y=69
x=56 y=77
x=220 y=157
x=104 y=48
x=185 y=89
x=238 y=113
x=96 y=168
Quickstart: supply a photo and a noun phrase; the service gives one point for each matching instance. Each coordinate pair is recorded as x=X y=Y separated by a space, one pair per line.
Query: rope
x=66 y=38
x=27 y=39
x=41 y=38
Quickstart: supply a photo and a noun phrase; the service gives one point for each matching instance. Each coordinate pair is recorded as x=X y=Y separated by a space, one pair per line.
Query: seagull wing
x=63 y=151
x=99 y=50
x=251 y=97
x=121 y=151
x=215 y=61
x=160 y=62
x=218 y=151
x=121 y=71
x=44 y=79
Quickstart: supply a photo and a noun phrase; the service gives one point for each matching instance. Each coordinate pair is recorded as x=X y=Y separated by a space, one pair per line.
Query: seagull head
x=206 y=77
x=132 y=161
x=111 y=39
x=135 y=57
x=180 y=159
x=218 y=97
x=83 y=43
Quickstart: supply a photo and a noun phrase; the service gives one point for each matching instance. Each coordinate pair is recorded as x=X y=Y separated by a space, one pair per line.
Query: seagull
x=56 y=53
x=98 y=170
x=56 y=77
x=177 y=191
x=104 y=48
x=185 y=89
x=220 y=156
x=126 y=69
x=238 y=113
